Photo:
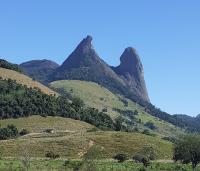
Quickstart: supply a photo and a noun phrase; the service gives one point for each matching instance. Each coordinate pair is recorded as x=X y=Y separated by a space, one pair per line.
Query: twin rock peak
x=85 y=64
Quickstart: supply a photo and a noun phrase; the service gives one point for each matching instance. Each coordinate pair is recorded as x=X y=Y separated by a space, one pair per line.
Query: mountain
x=39 y=69
x=85 y=64
x=131 y=71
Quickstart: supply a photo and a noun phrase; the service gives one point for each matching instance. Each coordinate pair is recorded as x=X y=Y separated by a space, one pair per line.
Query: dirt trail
x=85 y=149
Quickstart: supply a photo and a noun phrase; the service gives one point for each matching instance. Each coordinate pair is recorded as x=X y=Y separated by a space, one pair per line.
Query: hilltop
x=25 y=80
x=39 y=69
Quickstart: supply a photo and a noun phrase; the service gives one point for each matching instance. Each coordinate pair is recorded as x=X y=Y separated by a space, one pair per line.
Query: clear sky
x=166 y=34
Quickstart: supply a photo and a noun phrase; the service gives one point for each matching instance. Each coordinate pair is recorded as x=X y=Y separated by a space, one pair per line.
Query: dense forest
x=19 y=101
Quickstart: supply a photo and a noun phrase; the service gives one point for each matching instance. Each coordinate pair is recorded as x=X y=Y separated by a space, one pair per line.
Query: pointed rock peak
x=88 y=39
x=86 y=43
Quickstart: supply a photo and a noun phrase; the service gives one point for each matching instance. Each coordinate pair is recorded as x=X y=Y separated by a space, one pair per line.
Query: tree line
x=8 y=65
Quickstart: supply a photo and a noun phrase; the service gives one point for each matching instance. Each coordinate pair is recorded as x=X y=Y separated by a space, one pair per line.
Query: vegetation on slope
x=8 y=65
x=19 y=101
x=99 y=97
x=24 y=80
x=72 y=139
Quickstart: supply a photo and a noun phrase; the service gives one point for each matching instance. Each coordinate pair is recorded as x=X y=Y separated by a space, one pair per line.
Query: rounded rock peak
x=130 y=50
x=130 y=56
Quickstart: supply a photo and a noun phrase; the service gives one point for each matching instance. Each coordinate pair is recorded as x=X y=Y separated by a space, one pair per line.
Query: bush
x=23 y=132
x=104 y=110
x=146 y=132
x=9 y=132
x=150 y=125
x=171 y=139
x=120 y=157
x=66 y=163
x=142 y=159
x=138 y=158
x=142 y=169
x=52 y=155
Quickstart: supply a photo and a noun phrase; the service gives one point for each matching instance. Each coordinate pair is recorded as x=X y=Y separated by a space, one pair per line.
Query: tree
x=187 y=149
x=77 y=102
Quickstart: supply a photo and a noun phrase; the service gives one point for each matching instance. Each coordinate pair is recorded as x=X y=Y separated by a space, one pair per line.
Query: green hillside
x=72 y=139
x=99 y=97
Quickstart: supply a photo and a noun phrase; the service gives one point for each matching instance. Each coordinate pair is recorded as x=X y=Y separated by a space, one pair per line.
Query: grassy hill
x=72 y=139
x=24 y=80
x=99 y=97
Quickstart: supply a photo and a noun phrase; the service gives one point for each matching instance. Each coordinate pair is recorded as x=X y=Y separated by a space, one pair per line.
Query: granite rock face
x=85 y=64
x=131 y=71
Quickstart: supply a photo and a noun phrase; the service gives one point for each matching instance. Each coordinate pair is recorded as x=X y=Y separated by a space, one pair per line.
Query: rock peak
x=130 y=50
x=131 y=70
x=130 y=59
x=88 y=38
x=85 y=44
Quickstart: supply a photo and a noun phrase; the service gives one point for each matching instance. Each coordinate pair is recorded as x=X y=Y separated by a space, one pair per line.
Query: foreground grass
x=61 y=165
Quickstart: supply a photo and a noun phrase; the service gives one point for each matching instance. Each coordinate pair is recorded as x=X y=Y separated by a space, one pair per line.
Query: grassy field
x=24 y=80
x=99 y=97
x=60 y=165
x=72 y=139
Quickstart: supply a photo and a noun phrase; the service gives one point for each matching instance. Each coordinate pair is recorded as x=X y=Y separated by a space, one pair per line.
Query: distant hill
x=39 y=69
x=24 y=80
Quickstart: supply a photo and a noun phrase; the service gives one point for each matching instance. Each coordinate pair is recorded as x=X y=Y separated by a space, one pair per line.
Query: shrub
x=142 y=159
x=150 y=125
x=49 y=130
x=146 y=132
x=142 y=169
x=120 y=157
x=23 y=132
x=138 y=158
x=52 y=155
x=9 y=132
x=104 y=110
x=66 y=163
x=171 y=139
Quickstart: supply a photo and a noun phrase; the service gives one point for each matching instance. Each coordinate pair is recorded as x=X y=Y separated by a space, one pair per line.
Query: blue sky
x=166 y=34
